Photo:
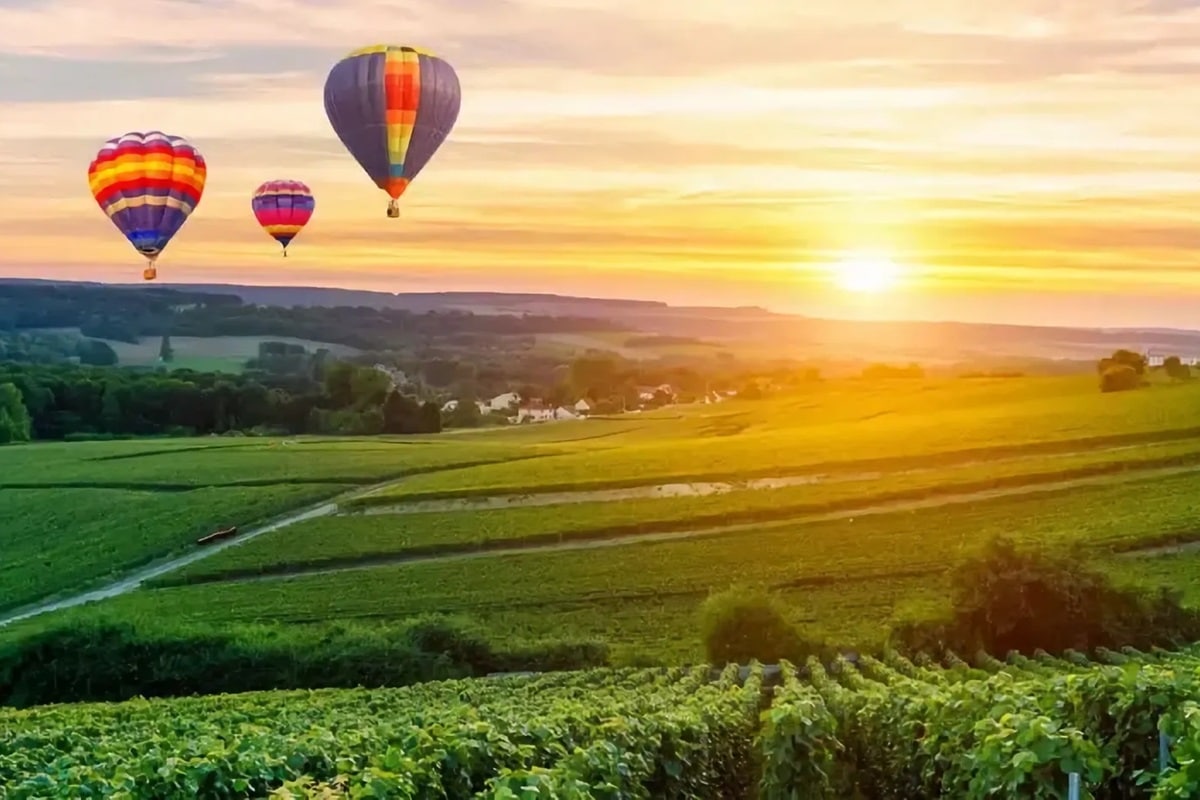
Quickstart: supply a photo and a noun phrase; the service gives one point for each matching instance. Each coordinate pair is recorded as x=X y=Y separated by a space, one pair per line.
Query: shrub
x=1119 y=378
x=114 y=659
x=1028 y=599
x=742 y=625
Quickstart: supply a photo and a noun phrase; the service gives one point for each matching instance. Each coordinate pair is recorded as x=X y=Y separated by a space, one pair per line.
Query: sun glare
x=866 y=272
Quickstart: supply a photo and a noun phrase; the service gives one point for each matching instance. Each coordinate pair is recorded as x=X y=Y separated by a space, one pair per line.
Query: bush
x=98 y=659
x=739 y=626
x=1025 y=600
x=1119 y=378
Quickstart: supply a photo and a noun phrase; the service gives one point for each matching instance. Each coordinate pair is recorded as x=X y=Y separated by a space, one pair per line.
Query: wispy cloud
x=996 y=148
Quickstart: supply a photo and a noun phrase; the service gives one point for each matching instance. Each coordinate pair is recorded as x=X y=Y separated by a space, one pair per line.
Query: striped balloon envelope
x=283 y=207
x=392 y=106
x=148 y=184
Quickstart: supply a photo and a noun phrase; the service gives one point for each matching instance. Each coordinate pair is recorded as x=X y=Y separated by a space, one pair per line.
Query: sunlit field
x=75 y=513
x=840 y=425
x=581 y=543
x=843 y=578
x=835 y=448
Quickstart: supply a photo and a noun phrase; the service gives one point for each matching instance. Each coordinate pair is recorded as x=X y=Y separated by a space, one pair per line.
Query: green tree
x=1176 y=369
x=96 y=353
x=741 y=625
x=1135 y=361
x=595 y=376
x=465 y=414
x=369 y=387
x=401 y=414
x=15 y=425
x=1119 y=378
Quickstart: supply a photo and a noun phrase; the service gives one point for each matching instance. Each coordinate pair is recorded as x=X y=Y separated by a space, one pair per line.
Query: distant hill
x=792 y=335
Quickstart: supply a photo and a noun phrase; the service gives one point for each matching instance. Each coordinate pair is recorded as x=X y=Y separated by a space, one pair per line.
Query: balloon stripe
x=283 y=207
x=402 y=87
x=148 y=184
x=392 y=107
x=438 y=111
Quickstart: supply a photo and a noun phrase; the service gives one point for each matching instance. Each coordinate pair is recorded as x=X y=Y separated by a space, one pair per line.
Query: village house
x=649 y=392
x=537 y=411
x=1156 y=358
x=504 y=402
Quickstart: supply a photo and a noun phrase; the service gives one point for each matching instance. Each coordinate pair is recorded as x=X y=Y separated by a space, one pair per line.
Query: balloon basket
x=393 y=210
x=149 y=274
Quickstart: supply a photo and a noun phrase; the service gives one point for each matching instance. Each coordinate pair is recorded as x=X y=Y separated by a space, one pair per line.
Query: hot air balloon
x=148 y=184
x=392 y=107
x=283 y=207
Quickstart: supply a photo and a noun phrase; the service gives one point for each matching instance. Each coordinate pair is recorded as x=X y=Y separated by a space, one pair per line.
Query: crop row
x=844 y=422
x=76 y=513
x=362 y=538
x=203 y=462
x=882 y=729
x=892 y=729
x=55 y=540
x=844 y=563
x=626 y=733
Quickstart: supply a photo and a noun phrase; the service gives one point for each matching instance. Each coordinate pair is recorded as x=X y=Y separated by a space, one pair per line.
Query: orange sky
x=1020 y=162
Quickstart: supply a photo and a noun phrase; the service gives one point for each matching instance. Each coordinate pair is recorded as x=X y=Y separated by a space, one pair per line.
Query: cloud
x=991 y=141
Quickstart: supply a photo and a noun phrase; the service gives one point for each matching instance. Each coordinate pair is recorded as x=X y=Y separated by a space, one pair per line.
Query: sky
x=1026 y=161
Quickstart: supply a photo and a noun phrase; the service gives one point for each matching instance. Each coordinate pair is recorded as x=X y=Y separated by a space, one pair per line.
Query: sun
x=867 y=273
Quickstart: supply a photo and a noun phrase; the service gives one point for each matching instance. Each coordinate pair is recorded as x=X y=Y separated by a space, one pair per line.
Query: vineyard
x=1127 y=725
x=79 y=511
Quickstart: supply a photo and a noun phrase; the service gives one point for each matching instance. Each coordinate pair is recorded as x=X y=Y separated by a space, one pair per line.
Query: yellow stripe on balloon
x=373 y=49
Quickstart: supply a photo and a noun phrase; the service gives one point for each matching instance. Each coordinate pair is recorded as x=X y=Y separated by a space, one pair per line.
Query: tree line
x=128 y=315
x=69 y=401
x=1125 y=370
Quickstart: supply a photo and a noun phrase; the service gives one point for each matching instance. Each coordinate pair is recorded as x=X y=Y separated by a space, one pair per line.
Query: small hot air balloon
x=283 y=207
x=148 y=184
x=392 y=107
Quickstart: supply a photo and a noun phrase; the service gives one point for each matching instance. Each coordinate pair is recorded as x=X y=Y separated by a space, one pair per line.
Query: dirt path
x=330 y=507
x=687 y=489
x=1162 y=550
x=135 y=579
x=664 y=536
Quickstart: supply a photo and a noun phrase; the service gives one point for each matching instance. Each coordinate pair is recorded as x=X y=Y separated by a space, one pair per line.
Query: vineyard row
x=878 y=728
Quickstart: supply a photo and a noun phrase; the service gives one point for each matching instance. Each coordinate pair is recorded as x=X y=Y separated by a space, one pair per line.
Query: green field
x=922 y=475
x=76 y=513
x=844 y=425
x=852 y=503
x=387 y=533
x=203 y=353
x=843 y=579
x=888 y=729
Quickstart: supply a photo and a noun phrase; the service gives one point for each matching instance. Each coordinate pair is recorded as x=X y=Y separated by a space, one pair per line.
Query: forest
x=67 y=401
x=128 y=315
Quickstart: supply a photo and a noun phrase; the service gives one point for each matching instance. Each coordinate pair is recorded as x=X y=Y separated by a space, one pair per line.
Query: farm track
x=616 y=540
x=156 y=569
x=476 y=498
x=683 y=489
x=137 y=578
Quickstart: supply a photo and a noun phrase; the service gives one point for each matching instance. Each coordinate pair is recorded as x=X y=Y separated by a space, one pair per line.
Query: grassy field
x=380 y=536
x=844 y=425
x=74 y=513
x=843 y=579
x=215 y=353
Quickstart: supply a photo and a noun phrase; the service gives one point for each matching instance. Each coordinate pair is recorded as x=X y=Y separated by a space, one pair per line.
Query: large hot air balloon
x=392 y=107
x=148 y=184
x=283 y=207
